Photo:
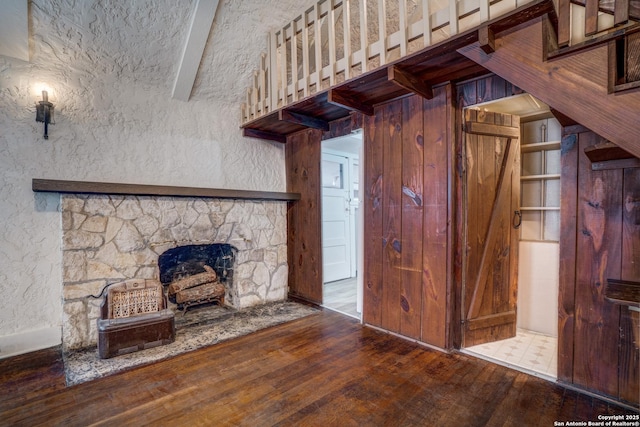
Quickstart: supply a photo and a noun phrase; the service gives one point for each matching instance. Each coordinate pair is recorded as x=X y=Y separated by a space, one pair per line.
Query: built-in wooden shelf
x=606 y=151
x=607 y=155
x=540 y=146
x=86 y=187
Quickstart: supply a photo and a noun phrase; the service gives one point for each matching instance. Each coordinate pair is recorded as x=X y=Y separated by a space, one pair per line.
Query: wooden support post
x=408 y=81
x=304 y=120
x=255 y=133
x=486 y=38
x=336 y=98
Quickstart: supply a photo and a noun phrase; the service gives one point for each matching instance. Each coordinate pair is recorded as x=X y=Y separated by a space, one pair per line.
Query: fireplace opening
x=198 y=274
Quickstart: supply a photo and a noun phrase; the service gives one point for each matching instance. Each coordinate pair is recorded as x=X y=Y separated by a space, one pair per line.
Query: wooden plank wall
x=304 y=240
x=406 y=182
x=600 y=240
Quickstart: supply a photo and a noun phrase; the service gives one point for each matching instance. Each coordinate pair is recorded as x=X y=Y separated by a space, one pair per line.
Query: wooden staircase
x=575 y=84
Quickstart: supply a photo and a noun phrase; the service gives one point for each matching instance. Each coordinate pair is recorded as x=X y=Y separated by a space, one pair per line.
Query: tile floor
x=528 y=351
x=341 y=296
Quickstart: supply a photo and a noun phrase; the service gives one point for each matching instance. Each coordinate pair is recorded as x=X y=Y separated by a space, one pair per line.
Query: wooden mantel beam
x=342 y=100
x=302 y=119
x=408 y=81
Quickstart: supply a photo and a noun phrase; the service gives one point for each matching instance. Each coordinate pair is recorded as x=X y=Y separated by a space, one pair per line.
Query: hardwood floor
x=325 y=369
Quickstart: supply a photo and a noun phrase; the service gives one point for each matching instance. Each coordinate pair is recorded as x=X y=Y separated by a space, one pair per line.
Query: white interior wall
x=538 y=287
x=110 y=71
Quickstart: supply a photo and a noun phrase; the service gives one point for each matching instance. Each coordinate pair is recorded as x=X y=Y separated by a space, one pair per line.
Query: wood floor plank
x=325 y=369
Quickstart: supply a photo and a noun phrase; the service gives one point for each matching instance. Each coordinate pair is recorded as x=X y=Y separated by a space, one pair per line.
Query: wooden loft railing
x=337 y=40
x=580 y=22
x=350 y=55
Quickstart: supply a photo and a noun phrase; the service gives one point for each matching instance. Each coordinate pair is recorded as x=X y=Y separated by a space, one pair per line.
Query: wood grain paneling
x=406 y=213
x=568 y=236
x=436 y=257
x=629 y=359
x=412 y=203
x=304 y=242
x=600 y=240
x=392 y=215
x=598 y=257
x=373 y=215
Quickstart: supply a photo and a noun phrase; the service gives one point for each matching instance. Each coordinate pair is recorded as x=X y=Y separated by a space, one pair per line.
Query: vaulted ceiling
x=145 y=40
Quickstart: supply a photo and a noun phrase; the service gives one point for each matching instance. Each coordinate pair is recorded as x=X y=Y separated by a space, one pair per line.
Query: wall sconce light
x=44 y=113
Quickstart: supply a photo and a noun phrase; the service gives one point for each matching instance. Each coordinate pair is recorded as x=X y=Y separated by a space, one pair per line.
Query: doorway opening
x=532 y=344
x=342 y=224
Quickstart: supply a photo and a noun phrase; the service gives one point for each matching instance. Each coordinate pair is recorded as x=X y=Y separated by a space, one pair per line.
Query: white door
x=336 y=228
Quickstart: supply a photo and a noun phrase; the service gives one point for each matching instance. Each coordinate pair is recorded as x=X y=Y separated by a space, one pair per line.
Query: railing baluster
x=273 y=72
x=283 y=65
x=317 y=34
x=621 y=12
x=484 y=10
x=591 y=17
x=306 y=70
x=453 y=18
x=402 y=12
x=426 y=23
x=332 y=43
x=254 y=95
x=294 y=60
x=382 y=30
x=262 y=83
x=364 y=35
x=346 y=25
x=564 y=22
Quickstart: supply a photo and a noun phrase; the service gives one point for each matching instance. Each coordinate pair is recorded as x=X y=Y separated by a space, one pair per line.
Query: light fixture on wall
x=44 y=113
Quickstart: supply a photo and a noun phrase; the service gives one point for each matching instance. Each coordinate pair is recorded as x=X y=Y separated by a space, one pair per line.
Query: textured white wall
x=110 y=73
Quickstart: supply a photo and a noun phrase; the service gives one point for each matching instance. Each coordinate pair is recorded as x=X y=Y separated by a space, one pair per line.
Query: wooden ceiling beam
x=201 y=21
x=261 y=134
x=350 y=103
x=302 y=119
x=409 y=81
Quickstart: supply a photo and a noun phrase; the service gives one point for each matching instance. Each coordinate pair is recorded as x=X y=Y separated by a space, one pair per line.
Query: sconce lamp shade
x=44 y=113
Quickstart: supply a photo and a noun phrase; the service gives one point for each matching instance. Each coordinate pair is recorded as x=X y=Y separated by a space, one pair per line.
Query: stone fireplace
x=109 y=238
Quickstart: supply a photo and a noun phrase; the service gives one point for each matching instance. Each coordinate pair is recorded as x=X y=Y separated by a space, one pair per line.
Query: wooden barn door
x=491 y=216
